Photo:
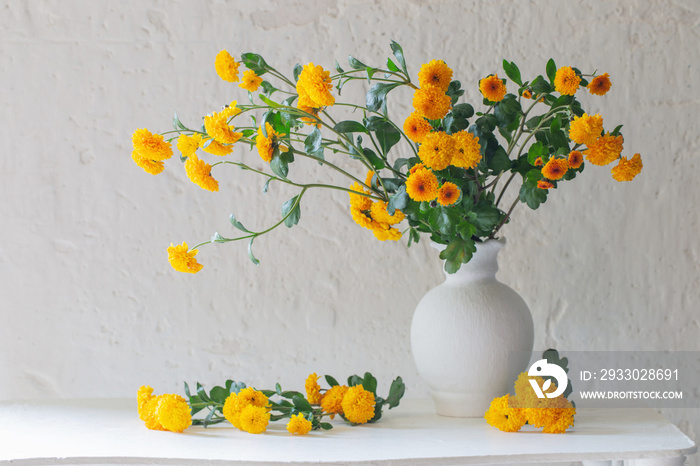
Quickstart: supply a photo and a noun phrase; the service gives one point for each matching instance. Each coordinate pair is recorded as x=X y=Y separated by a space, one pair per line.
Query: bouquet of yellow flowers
x=457 y=162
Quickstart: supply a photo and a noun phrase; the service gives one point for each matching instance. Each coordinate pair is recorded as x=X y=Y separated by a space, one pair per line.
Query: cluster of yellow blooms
x=354 y=403
x=250 y=410
x=437 y=149
x=586 y=130
x=509 y=414
x=448 y=156
x=163 y=412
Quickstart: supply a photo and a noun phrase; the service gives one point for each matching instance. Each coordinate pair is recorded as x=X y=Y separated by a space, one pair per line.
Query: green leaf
x=540 y=86
x=398 y=200
x=373 y=158
x=297 y=71
x=532 y=195
x=356 y=64
x=177 y=123
x=354 y=380
x=201 y=393
x=187 y=390
x=376 y=96
x=289 y=394
x=370 y=73
x=536 y=150
x=370 y=383
x=512 y=72
x=458 y=251
x=312 y=143
x=391 y=65
x=398 y=53
x=207 y=420
x=487 y=123
x=396 y=392
x=551 y=70
x=219 y=394
x=291 y=212
x=229 y=385
x=331 y=381
x=250 y=254
x=278 y=389
x=454 y=91
x=616 y=131
x=279 y=166
x=269 y=102
x=387 y=136
x=326 y=425
x=487 y=218
x=338 y=68
x=237 y=224
x=499 y=161
x=350 y=126
x=301 y=404
x=255 y=62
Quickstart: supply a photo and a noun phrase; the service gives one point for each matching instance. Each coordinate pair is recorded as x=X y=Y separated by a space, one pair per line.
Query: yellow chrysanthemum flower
x=232 y=410
x=416 y=127
x=555 y=168
x=527 y=94
x=215 y=148
x=575 y=159
x=525 y=396
x=217 y=127
x=250 y=396
x=316 y=84
x=250 y=81
x=188 y=145
x=143 y=396
x=298 y=425
x=151 y=146
x=358 y=405
x=199 y=172
x=313 y=389
x=554 y=414
x=539 y=162
x=415 y=168
x=467 y=150
x=226 y=67
x=448 y=194
x=379 y=213
x=501 y=416
x=361 y=218
x=151 y=419
x=422 y=185
x=542 y=184
x=436 y=73
x=231 y=109
x=183 y=260
x=566 y=81
x=437 y=150
x=152 y=167
x=492 y=88
x=173 y=413
x=600 y=85
x=585 y=129
x=383 y=232
x=357 y=201
x=266 y=145
x=333 y=400
x=431 y=103
x=626 y=170
x=254 y=419
x=604 y=150
x=305 y=104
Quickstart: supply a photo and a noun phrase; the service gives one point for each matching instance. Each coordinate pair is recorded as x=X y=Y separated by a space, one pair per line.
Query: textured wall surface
x=90 y=306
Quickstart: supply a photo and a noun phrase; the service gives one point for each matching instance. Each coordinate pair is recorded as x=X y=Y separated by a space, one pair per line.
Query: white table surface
x=108 y=431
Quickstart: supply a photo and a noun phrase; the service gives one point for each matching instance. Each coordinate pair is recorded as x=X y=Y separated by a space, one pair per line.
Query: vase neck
x=482 y=266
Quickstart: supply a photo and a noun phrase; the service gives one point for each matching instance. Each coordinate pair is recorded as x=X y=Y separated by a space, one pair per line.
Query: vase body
x=471 y=336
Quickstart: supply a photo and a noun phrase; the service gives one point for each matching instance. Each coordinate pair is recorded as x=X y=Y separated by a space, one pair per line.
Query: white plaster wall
x=90 y=306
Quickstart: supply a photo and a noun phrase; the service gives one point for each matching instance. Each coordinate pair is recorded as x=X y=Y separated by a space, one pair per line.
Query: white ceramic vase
x=471 y=336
